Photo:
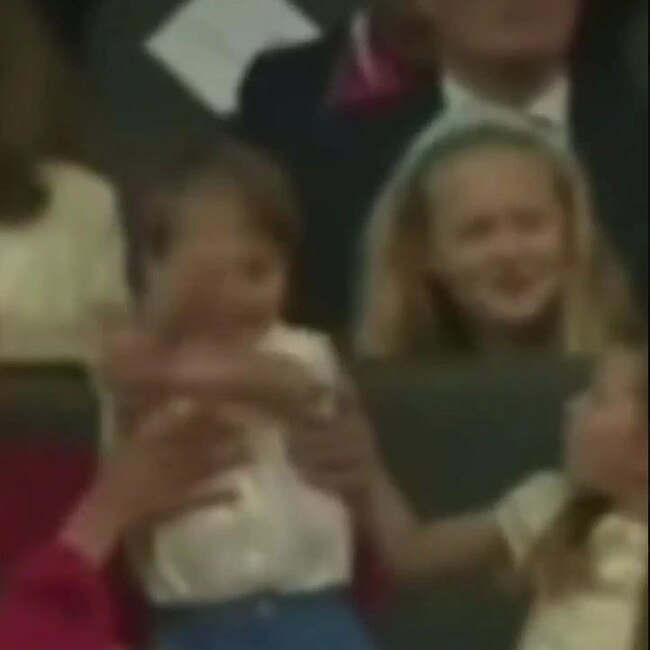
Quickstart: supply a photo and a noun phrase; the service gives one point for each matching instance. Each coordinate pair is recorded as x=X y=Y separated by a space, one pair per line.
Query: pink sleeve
x=56 y=602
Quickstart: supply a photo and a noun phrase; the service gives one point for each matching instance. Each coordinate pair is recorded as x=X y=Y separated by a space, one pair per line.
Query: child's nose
x=507 y=244
x=222 y=288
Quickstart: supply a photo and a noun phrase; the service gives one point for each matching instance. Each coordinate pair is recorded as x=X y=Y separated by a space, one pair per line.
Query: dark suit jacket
x=67 y=22
x=339 y=160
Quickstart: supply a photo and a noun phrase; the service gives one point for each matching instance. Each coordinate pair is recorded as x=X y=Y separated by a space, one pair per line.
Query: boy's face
x=607 y=446
x=224 y=281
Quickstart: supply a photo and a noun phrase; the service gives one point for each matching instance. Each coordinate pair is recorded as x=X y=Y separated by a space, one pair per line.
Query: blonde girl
x=485 y=242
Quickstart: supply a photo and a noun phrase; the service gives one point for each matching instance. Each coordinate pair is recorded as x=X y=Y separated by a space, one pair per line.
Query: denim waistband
x=263 y=605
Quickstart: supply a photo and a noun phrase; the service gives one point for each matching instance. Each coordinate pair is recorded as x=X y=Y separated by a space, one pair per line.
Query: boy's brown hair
x=255 y=178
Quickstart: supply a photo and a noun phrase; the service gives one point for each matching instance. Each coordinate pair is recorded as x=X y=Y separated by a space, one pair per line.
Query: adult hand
x=162 y=469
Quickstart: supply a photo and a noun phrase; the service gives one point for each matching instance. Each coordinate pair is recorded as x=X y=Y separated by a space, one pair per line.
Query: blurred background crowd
x=471 y=184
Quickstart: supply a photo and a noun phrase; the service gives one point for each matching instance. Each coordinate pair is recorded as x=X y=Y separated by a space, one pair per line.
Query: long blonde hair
x=397 y=304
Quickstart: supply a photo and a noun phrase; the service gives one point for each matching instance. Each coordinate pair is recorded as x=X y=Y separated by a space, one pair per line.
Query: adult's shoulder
x=288 y=76
x=74 y=178
x=287 y=62
x=82 y=201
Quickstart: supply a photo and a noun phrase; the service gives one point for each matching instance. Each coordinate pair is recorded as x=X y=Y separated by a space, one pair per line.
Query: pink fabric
x=40 y=482
x=56 y=602
x=130 y=606
x=357 y=88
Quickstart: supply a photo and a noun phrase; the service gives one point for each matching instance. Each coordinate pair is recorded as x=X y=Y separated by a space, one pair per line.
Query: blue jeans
x=324 y=621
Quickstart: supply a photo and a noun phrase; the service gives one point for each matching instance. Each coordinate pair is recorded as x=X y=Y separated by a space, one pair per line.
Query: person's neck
x=509 y=84
x=497 y=341
x=393 y=31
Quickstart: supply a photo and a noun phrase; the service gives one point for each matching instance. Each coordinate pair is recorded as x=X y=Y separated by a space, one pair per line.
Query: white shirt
x=63 y=272
x=549 y=109
x=281 y=536
x=600 y=615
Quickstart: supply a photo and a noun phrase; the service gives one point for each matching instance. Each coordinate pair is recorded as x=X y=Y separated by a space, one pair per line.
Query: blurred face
x=607 y=443
x=505 y=31
x=498 y=237
x=224 y=280
x=408 y=24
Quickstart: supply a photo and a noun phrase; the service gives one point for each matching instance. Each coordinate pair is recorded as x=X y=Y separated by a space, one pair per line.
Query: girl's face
x=224 y=280
x=498 y=237
x=607 y=442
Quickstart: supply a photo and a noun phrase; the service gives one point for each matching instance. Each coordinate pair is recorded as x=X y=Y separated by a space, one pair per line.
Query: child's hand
x=135 y=364
x=162 y=470
x=272 y=385
x=340 y=454
x=607 y=432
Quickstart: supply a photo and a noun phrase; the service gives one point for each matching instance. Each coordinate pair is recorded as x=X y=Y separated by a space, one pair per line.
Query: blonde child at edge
x=578 y=538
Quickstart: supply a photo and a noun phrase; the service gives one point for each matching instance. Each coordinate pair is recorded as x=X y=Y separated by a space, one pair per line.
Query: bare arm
x=416 y=551
x=344 y=459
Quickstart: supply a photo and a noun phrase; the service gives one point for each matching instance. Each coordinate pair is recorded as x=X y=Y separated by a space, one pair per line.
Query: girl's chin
x=521 y=312
x=236 y=334
x=518 y=320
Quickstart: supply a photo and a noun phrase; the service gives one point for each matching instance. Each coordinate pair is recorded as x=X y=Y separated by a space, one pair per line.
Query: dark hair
x=45 y=112
x=22 y=193
x=153 y=202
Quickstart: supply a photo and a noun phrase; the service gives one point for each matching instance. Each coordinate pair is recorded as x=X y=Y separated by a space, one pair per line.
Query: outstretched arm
x=417 y=551
x=343 y=458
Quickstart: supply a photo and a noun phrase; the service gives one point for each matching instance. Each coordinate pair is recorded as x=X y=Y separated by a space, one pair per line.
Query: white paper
x=208 y=44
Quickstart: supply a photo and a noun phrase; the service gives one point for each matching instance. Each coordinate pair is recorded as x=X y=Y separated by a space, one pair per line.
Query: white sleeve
x=314 y=350
x=108 y=287
x=529 y=511
x=323 y=359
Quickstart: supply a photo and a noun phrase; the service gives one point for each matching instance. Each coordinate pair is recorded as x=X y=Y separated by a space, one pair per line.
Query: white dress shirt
x=63 y=272
x=281 y=535
x=602 y=614
x=549 y=110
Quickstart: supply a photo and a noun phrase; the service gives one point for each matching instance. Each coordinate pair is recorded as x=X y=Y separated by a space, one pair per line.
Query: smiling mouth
x=514 y=285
